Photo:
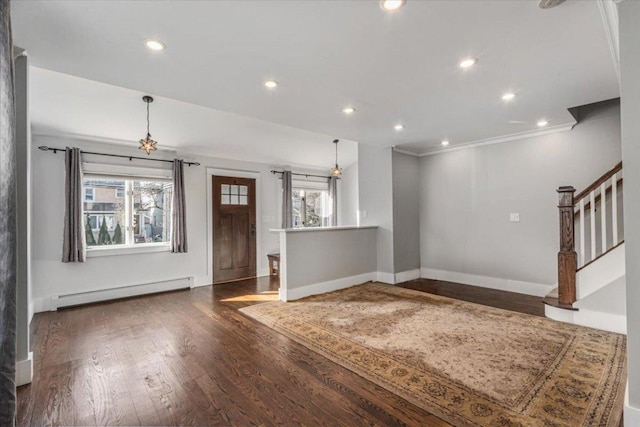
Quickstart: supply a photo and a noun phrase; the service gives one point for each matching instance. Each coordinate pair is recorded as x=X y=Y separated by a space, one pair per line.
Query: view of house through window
x=126 y=212
x=310 y=207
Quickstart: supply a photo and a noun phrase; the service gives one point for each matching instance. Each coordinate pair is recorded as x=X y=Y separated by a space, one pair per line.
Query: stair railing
x=596 y=205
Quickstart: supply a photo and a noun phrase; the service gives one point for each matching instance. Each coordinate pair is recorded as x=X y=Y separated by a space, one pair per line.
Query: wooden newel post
x=567 y=257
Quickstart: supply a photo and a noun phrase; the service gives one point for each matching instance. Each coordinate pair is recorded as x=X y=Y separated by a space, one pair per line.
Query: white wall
x=629 y=13
x=376 y=201
x=348 y=196
x=406 y=212
x=52 y=277
x=466 y=197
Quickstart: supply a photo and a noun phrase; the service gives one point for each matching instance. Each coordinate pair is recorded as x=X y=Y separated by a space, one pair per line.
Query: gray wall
x=466 y=197
x=316 y=256
x=406 y=212
x=348 y=196
x=375 y=199
x=23 y=147
x=629 y=13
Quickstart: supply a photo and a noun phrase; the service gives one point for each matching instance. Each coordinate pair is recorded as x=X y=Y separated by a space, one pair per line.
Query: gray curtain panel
x=73 y=245
x=333 y=196
x=287 y=200
x=7 y=224
x=179 y=212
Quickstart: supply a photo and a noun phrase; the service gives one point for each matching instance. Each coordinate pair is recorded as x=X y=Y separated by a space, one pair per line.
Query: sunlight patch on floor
x=262 y=296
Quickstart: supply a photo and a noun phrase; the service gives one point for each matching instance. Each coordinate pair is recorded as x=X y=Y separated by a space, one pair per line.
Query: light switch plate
x=514 y=217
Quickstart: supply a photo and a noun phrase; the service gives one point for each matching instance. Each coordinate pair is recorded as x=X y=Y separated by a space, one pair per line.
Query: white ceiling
x=64 y=105
x=393 y=68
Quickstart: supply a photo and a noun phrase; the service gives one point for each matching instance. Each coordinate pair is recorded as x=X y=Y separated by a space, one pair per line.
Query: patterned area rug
x=469 y=364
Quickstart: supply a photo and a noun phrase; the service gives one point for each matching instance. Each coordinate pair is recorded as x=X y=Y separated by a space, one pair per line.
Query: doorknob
x=253 y=229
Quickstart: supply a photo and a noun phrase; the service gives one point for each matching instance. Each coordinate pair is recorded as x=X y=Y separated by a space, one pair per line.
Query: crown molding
x=500 y=139
x=609 y=12
x=407 y=152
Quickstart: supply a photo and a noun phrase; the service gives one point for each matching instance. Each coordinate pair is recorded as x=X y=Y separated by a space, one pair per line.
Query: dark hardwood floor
x=492 y=297
x=189 y=358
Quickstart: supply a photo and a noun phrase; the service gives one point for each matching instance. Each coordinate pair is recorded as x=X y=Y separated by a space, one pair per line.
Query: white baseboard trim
x=198 y=281
x=592 y=319
x=631 y=416
x=41 y=305
x=517 y=286
x=405 y=276
x=388 y=278
x=324 y=287
x=24 y=370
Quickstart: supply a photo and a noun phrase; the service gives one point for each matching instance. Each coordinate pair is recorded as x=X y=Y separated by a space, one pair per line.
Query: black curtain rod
x=55 y=150
x=307 y=175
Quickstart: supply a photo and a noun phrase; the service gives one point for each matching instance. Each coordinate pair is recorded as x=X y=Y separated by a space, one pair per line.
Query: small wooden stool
x=274 y=264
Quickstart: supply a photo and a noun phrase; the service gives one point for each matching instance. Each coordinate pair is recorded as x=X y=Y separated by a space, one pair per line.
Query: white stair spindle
x=592 y=221
x=614 y=208
x=582 y=225
x=603 y=216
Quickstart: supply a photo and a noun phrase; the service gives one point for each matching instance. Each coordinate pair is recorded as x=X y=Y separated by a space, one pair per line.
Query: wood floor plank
x=190 y=358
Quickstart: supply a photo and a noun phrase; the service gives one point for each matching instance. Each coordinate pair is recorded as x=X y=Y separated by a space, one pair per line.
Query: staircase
x=591 y=265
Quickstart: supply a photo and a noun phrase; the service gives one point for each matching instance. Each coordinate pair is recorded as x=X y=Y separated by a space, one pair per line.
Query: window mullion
x=128 y=211
x=303 y=209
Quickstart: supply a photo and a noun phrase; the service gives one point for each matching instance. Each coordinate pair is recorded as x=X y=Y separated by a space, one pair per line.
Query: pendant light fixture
x=336 y=171
x=147 y=144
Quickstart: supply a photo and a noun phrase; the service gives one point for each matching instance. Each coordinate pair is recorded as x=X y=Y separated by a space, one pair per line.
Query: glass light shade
x=148 y=145
x=336 y=171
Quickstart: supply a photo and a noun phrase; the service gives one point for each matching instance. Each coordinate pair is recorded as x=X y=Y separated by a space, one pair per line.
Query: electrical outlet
x=514 y=217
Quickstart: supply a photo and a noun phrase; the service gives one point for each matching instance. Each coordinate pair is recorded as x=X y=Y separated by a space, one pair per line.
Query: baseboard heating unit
x=80 y=298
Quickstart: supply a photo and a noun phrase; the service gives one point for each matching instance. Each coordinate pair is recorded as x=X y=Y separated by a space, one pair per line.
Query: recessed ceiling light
x=391 y=5
x=445 y=143
x=542 y=123
x=271 y=84
x=398 y=127
x=508 y=96
x=155 y=45
x=348 y=110
x=468 y=62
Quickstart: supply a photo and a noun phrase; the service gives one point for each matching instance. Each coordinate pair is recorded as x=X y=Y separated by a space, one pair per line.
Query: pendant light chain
x=148 y=134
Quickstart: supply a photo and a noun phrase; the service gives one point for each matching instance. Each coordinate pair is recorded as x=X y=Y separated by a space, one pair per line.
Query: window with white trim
x=127 y=212
x=89 y=194
x=311 y=207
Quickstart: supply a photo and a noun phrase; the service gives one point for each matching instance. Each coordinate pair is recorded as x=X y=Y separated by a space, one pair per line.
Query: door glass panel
x=234 y=194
